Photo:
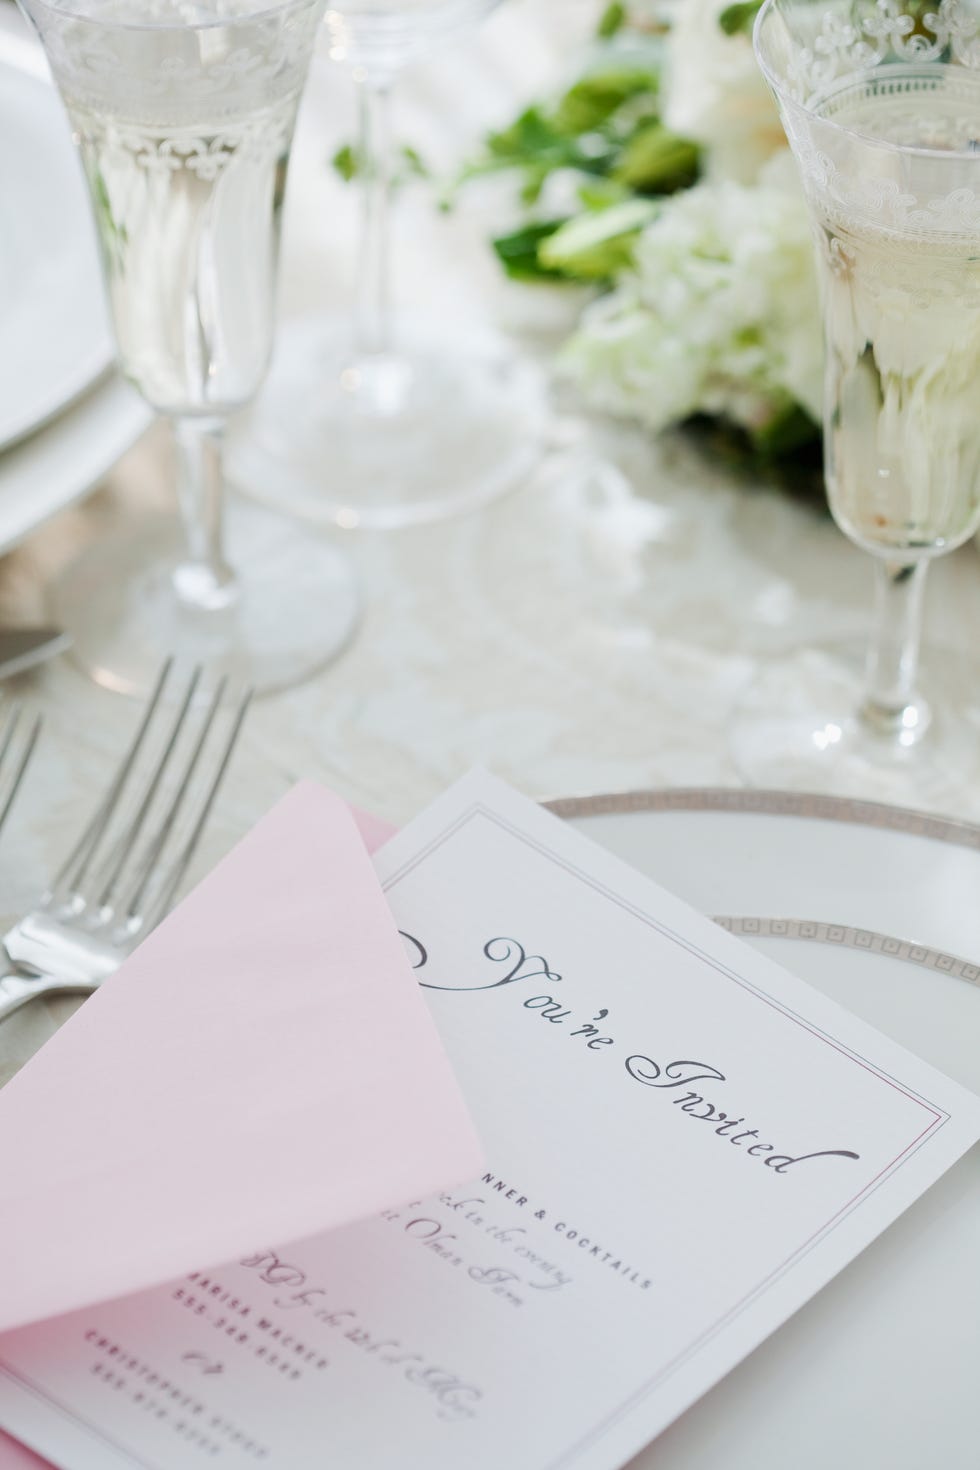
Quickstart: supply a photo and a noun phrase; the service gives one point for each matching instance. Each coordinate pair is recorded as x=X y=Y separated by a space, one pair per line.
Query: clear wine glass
x=882 y=111
x=184 y=114
x=381 y=421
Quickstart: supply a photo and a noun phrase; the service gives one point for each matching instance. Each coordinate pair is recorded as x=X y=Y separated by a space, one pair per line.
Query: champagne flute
x=183 y=114
x=882 y=111
x=384 y=422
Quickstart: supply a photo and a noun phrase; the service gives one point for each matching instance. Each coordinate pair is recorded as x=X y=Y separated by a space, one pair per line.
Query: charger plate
x=879 y=908
x=55 y=332
x=64 y=420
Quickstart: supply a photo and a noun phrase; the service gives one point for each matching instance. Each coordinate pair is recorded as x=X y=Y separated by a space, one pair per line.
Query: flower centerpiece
x=662 y=178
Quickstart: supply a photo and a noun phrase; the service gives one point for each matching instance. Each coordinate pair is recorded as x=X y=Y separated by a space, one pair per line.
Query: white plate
x=54 y=467
x=880 y=1369
x=53 y=326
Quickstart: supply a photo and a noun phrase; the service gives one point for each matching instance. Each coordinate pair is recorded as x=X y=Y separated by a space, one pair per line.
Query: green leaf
x=114 y=236
x=346 y=162
x=594 y=99
x=657 y=161
x=529 y=135
x=599 y=193
x=518 y=252
x=534 y=147
x=798 y=471
x=535 y=178
x=413 y=164
x=598 y=245
x=350 y=164
x=791 y=429
x=739 y=18
x=612 y=19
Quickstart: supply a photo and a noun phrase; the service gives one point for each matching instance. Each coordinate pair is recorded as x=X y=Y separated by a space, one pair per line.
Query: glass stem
x=373 y=330
x=892 y=705
x=203 y=580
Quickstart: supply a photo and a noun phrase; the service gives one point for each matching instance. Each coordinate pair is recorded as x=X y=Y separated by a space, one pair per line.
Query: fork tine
x=10 y=729
x=127 y=842
x=75 y=866
x=179 y=866
x=151 y=857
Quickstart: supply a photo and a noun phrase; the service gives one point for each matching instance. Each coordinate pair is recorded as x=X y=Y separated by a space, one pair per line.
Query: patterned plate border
x=771 y=803
x=846 y=937
x=800 y=804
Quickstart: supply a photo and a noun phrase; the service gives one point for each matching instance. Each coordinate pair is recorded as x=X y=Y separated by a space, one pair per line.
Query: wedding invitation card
x=684 y=1144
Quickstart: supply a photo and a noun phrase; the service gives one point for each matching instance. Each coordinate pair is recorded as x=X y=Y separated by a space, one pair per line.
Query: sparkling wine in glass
x=883 y=114
x=382 y=420
x=902 y=315
x=184 y=115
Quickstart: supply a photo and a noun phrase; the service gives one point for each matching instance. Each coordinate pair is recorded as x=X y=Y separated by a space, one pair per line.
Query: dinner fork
x=123 y=874
x=17 y=742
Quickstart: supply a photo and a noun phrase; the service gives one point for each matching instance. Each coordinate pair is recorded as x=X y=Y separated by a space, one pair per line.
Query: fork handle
x=16 y=990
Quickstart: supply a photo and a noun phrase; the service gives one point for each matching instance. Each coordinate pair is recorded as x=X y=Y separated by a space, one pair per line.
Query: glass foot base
x=449 y=423
x=296 y=607
x=797 y=727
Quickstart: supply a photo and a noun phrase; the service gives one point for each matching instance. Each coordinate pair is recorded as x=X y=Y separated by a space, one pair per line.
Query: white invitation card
x=685 y=1143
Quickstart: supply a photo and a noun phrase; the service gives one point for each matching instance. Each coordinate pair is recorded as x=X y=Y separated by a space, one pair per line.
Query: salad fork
x=122 y=875
x=17 y=744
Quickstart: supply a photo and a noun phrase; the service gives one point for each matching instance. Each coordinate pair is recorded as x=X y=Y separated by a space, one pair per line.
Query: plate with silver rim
x=878 y=907
x=64 y=420
x=53 y=320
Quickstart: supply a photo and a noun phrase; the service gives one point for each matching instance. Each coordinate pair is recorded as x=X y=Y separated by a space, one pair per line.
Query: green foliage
x=656 y=161
x=412 y=163
x=351 y=164
x=592 y=167
x=535 y=146
x=600 y=193
x=788 y=431
x=346 y=162
x=596 y=99
x=605 y=140
x=114 y=236
x=605 y=126
x=740 y=17
x=796 y=468
x=612 y=19
x=605 y=133
x=598 y=245
x=519 y=252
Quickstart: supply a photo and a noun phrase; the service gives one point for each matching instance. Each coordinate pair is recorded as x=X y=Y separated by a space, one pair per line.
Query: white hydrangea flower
x=715 y=93
x=720 y=314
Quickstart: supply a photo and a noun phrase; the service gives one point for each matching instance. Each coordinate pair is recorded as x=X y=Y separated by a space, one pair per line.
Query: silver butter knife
x=22 y=648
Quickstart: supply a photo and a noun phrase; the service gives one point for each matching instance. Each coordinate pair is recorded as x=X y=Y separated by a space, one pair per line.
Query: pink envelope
x=374 y=831
x=264 y=1068
x=16 y=1456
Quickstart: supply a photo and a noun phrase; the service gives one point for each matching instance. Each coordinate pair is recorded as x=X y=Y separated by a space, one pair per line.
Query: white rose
x=715 y=93
x=719 y=315
x=627 y=364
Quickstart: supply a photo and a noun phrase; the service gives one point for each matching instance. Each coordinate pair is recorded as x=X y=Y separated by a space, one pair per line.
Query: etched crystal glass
x=881 y=107
x=183 y=114
x=386 y=420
